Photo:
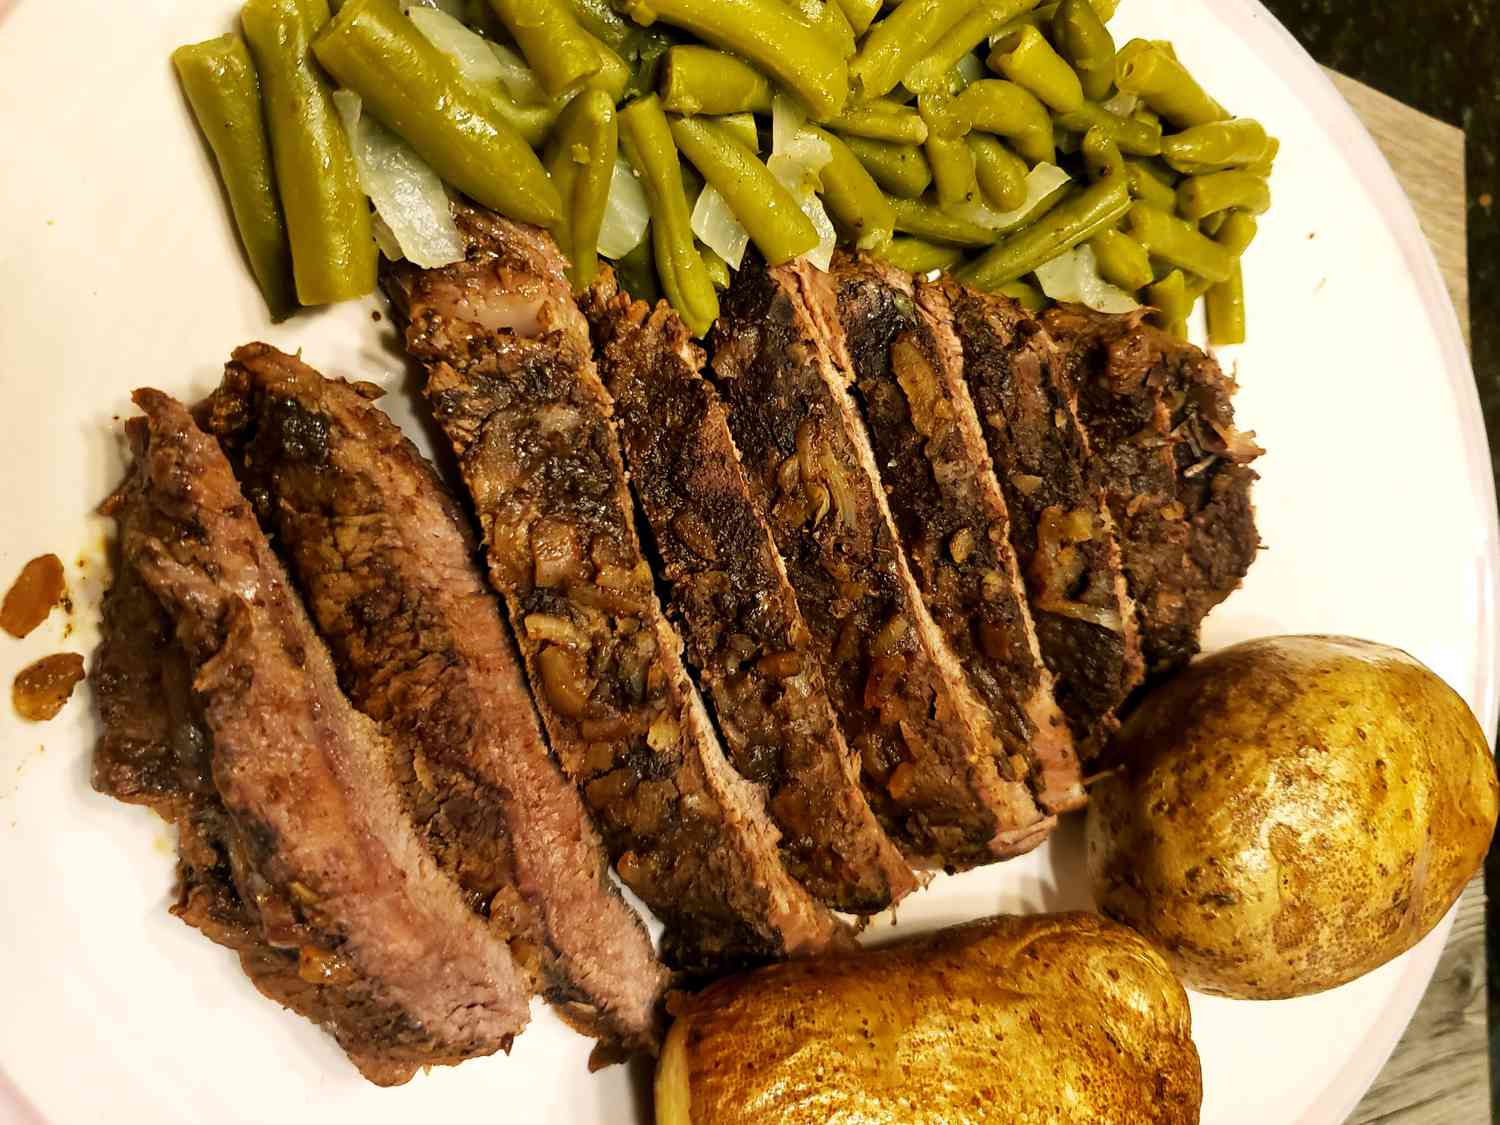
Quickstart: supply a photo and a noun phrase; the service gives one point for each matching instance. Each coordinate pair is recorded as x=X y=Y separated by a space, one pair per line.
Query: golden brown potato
x=1291 y=813
x=1053 y=1018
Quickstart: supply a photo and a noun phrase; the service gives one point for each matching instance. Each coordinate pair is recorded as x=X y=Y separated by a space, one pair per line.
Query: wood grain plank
x=1439 y=1073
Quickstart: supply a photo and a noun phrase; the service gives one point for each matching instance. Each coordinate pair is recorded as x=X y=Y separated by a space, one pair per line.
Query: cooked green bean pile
x=990 y=138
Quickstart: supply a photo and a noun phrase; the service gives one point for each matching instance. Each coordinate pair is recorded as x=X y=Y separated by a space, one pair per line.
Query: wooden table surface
x=1439 y=1073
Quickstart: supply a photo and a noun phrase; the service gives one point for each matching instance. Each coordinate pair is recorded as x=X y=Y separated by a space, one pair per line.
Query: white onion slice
x=1122 y=104
x=1074 y=276
x=626 y=213
x=519 y=81
x=1041 y=182
x=467 y=48
x=407 y=193
x=716 y=226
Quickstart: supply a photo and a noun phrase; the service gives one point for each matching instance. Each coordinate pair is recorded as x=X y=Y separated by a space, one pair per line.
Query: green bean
x=1237 y=232
x=1122 y=260
x=767 y=34
x=1178 y=243
x=1200 y=196
x=1145 y=69
x=1077 y=219
x=1213 y=147
x=947 y=152
x=581 y=162
x=556 y=48
x=1147 y=185
x=717 y=267
x=742 y=127
x=1169 y=297
x=931 y=72
x=647 y=140
x=1086 y=43
x=613 y=74
x=532 y=121
x=702 y=80
x=605 y=24
x=763 y=206
x=860 y=13
x=636 y=272
x=1001 y=107
x=1224 y=307
x=894 y=44
x=1029 y=297
x=881 y=120
x=901 y=170
x=417 y=92
x=853 y=198
x=915 y=255
x=1134 y=137
x=327 y=218
x=1147 y=117
x=1212 y=224
x=1263 y=166
x=220 y=83
x=928 y=222
x=1028 y=60
x=831 y=23
x=1001 y=173
x=1101 y=156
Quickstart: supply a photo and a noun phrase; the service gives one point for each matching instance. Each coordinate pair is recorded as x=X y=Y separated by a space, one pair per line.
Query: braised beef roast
x=305 y=862
x=1174 y=467
x=948 y=509
x=925 y=740
x=388 y=566
x=746 y=639
x=512 y=382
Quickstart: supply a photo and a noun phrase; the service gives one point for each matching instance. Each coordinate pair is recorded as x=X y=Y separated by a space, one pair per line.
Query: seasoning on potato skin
x=1291 y=813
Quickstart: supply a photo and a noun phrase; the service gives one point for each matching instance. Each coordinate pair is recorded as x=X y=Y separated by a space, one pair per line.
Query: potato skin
x=1291 y=813
x=1024 y=1020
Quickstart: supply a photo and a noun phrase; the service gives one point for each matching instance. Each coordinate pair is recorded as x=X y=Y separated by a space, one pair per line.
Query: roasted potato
x=1291 y=813
x=1052 y=1018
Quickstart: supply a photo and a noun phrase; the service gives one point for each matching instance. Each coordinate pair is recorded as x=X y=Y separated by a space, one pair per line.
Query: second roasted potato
x=1052 y=1018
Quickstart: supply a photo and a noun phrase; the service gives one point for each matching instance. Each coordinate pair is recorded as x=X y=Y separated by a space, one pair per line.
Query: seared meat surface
x=1175 y=469
x=1060 y=524
x=950 y=514
x=512 y=383
x=925 y=741
x=330 y=899
x=388 y=566
x=729 y=590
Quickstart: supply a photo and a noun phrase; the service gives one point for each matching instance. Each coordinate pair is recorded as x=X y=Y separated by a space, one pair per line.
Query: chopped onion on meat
x=1074 y=276
x=1041 y=182
x=715 y=225
x=407 y=194
x=626 y=213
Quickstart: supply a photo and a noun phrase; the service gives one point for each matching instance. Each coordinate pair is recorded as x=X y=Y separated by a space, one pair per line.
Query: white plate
x=118 y=268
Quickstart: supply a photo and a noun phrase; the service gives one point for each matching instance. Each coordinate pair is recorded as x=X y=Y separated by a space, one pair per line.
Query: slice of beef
x=154 y=750
x=389 y=569
x=925 y=741
x=1060 y=524
x=745 y=636
x=1175 y=468
x=951 y=515
x=512 y=382
x=396 y=966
